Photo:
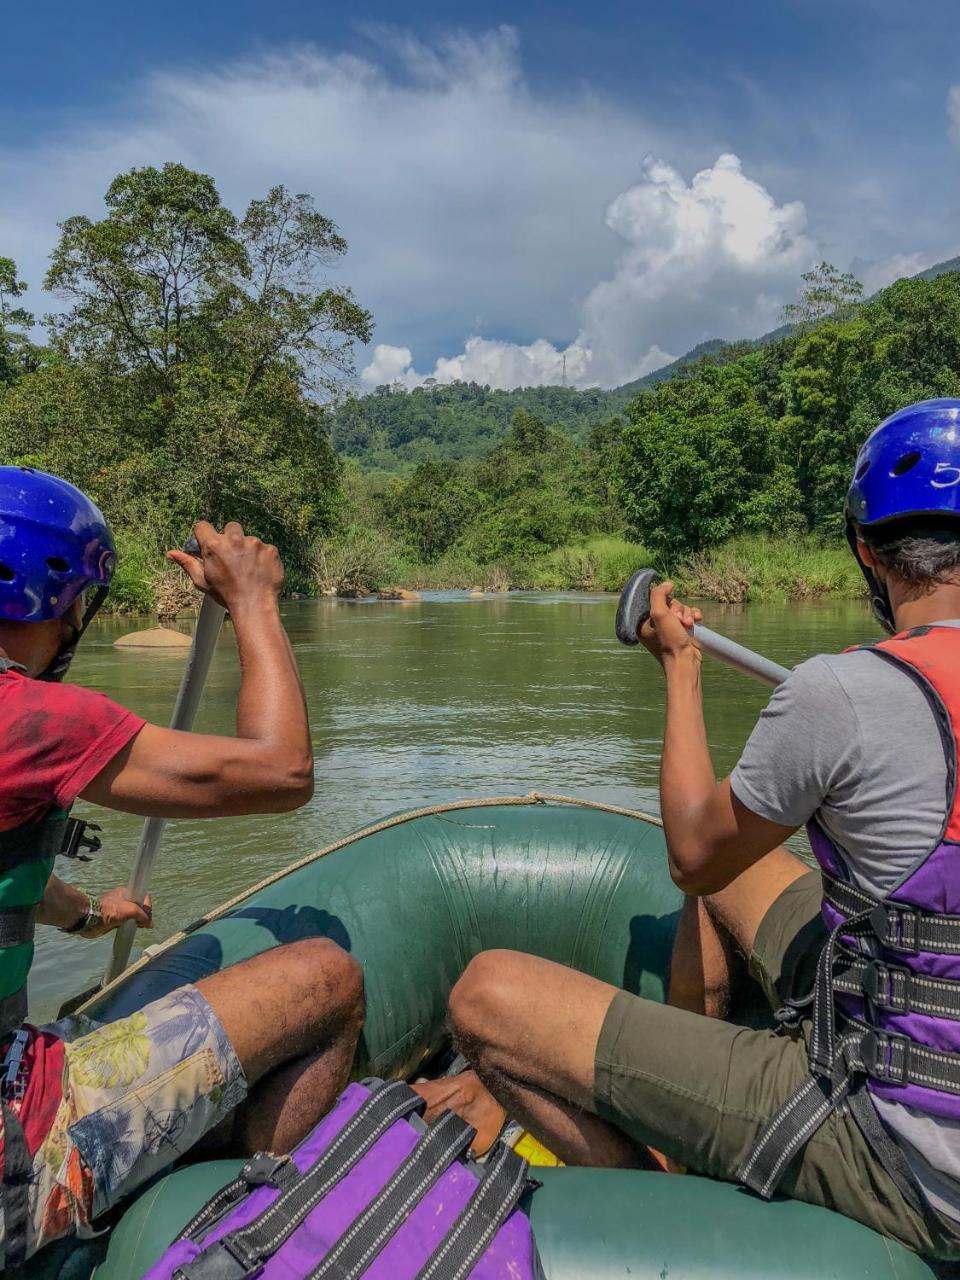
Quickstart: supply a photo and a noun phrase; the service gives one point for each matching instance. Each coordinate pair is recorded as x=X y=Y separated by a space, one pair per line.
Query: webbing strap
x=501 y=1186
x=17 y=1175
x=790 y=1129
x=240 y=1253
x=31 y=843
x=17 y=925
x=895 y=989
x=263 y=1169
x=369 y=1234
x=899 y=927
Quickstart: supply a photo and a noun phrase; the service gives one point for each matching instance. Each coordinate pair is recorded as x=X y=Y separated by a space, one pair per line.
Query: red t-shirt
x=54 y=740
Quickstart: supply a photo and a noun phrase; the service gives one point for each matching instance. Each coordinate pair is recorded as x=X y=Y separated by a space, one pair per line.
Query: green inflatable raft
x=414 y=898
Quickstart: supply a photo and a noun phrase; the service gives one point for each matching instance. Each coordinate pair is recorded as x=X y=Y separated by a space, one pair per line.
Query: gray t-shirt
x=853 y=740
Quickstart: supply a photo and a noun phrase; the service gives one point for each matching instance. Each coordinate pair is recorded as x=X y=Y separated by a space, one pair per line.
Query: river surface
x=416 y=703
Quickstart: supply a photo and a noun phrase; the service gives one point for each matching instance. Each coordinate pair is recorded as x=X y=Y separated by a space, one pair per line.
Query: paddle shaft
x=634 y=610
x=199 y=658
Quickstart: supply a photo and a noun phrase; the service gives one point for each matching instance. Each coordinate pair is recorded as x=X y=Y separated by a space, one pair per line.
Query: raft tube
x=414 y=898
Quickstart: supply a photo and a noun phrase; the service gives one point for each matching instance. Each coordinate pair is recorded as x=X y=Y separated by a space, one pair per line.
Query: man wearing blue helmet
x=230 y=1059
x=855 y=1104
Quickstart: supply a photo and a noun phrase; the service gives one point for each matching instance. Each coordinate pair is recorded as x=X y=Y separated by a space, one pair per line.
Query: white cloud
x=473 y=204
x=953 y=112
x=877 y=275
x=469 y=201
x=716 y=257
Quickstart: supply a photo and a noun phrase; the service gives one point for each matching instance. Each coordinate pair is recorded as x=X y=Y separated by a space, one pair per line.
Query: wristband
x=92 y=916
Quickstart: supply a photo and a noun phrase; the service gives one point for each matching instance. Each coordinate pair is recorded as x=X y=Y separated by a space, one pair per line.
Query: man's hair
x=924 y=551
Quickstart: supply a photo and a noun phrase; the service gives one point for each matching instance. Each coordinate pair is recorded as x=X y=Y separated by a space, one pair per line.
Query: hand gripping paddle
x=634 y=610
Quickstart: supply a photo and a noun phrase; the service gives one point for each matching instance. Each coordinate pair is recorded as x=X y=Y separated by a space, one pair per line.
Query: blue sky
x=517 y=182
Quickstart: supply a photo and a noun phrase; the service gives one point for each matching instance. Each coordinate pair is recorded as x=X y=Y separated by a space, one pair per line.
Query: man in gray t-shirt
x=605 y=1077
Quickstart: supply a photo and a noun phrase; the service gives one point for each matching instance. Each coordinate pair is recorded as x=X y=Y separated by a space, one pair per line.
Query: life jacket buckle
x=884 y=1055
x=897 y=927
x=880 y=985
x=77 y=837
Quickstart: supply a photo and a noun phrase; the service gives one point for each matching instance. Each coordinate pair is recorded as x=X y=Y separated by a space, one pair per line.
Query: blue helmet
x=909 y=466
x=54 y=545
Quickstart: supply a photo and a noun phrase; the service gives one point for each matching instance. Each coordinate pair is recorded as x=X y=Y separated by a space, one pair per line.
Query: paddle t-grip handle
x=634 y=609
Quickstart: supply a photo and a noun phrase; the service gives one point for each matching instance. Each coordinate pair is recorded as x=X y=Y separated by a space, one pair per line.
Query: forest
x=200 y=364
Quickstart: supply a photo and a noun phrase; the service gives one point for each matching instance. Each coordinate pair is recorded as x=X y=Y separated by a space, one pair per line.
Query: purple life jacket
x=370 y=1192
x=886 y=1003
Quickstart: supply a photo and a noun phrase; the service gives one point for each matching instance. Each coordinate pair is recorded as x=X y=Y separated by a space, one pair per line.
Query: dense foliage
x=394 y=429
x=185 y=376
x=767 y=443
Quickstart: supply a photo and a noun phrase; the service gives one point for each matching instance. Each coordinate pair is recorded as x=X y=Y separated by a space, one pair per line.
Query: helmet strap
x=879 y=599
x=58 y=668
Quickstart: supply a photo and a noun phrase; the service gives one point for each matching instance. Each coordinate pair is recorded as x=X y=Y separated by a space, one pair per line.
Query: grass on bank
x=362 y=560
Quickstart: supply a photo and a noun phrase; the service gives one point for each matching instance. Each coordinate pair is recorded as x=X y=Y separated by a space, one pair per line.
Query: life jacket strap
x=896 y=925
x=505 y=1177
x=845 y=1051
x=15 y=1190
x=894 y=989
x=242 y=1252
x=17 y=925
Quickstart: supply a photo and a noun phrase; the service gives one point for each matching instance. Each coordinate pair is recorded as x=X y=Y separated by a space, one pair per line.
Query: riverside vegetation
x=198 y=368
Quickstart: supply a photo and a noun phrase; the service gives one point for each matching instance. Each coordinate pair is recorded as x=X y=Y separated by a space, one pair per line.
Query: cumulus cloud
x=470 y=202
x=486 y=233
x=715 y=257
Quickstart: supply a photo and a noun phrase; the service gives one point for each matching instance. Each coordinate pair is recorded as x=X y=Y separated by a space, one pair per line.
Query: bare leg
x=701 y=964
x=716 y=933
x=530 y=1029
x=293 y=1016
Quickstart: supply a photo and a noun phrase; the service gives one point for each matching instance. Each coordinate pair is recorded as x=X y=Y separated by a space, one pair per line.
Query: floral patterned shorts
x=106 y=1106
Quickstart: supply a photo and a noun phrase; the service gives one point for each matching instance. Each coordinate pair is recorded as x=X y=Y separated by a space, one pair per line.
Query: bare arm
x=268 y=766
x=64 y=906
x=711 y=836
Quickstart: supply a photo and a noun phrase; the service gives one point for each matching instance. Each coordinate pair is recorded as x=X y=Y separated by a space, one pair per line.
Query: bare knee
x=482 y=1004
x=318 y=971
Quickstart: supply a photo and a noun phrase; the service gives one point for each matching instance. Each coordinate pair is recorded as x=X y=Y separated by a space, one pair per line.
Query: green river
x=416 y=703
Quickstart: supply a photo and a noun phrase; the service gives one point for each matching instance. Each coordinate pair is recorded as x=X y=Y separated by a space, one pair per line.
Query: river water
x=414 y=703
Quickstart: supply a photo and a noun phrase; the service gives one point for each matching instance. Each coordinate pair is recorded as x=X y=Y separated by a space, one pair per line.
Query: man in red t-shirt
x=257 y=1052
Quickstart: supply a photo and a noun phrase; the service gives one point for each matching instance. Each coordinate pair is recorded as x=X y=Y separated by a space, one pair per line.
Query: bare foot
x=465 y=1095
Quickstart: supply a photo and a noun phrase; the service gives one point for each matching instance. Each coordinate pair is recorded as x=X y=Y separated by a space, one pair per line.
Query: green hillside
x=394 y=429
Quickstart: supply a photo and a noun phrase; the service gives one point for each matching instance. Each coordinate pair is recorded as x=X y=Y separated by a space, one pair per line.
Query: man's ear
x=866 y=554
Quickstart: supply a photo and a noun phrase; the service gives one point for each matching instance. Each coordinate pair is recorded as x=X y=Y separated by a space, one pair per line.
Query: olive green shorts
x=701 y=1090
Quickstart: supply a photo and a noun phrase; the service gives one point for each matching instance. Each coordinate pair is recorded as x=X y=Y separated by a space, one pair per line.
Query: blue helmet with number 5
x=909 y=466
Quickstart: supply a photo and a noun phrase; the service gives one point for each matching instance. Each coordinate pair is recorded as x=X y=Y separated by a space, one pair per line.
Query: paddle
x=184 y=713
x=634 y=609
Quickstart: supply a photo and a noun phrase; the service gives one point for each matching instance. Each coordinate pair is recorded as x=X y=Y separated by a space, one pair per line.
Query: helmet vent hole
x=57 y=564
x=863 y=468
x=905 y=464
x=6 y=573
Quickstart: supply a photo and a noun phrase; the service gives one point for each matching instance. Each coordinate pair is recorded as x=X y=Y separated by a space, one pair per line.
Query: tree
x=208 y=343
x=15 y=345
x=825 y=293
x=700 y=464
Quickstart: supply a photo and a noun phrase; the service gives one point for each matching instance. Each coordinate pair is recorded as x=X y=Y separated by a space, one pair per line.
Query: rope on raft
x=450 y=806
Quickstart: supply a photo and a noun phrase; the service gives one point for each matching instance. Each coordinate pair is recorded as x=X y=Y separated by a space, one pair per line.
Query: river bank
x=750 y=569
x=754 y=569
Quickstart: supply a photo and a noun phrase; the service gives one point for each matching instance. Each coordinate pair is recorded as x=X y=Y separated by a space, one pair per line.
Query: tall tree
x=206 y=345
x=825 y=294
x=15 y=321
